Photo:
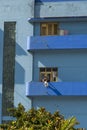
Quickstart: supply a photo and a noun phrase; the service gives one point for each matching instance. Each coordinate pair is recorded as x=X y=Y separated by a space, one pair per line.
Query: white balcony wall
x=61 y=9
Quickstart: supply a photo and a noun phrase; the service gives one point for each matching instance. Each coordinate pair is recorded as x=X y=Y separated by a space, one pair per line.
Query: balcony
x=35 y=43
x=56 y=89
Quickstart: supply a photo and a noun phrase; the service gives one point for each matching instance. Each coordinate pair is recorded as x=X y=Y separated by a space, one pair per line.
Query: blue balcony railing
x=56 y=89
x=56 y=42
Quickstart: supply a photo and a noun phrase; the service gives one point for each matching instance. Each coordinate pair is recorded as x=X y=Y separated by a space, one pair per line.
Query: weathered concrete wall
x=61 y=9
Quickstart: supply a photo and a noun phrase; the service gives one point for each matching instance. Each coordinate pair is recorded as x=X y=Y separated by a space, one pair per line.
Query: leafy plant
x=38 y=120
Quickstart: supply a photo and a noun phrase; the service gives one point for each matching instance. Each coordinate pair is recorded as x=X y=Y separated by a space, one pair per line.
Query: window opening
x=52 y=29
x=49 y=29
x=50 y=73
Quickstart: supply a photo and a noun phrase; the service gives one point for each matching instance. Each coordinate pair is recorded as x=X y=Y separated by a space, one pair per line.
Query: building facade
x=43 y=48
x=15 y=61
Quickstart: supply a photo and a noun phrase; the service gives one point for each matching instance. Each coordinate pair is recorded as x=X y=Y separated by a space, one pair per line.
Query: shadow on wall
x=53 y=88
x=20 y=73
x=1 y=54
x=19 y=50
x=38 y=8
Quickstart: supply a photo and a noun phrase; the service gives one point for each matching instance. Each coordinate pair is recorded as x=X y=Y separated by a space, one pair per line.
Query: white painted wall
x=61 y=9
x=19 y=11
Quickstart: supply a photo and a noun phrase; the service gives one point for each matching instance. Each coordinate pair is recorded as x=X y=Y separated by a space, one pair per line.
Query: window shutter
x=50 y=29
x=43 y=29
x=55 y=29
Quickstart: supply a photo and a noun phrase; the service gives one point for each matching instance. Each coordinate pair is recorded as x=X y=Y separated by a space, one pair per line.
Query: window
x=49 y=29
x=49 y=73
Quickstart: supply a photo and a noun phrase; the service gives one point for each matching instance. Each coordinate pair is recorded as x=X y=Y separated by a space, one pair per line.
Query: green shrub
x=38 y=120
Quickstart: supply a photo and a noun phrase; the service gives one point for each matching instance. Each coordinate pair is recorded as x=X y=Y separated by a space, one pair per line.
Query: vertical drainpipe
x=33 y=53
x=33 y=35
x=1 y=109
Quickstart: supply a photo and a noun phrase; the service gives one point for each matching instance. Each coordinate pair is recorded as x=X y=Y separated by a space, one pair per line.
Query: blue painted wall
x=72 y=64
x=37 y=29
x=72 y=67
x=73 y=27
x=67 y=105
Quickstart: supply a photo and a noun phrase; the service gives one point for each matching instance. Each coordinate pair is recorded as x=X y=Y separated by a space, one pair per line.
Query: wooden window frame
x=49 y=72
x=46 y=25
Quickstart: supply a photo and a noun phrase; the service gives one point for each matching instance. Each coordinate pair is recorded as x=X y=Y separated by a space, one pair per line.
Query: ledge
x=57 y=19
x=56 y=42
x=56 y=89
